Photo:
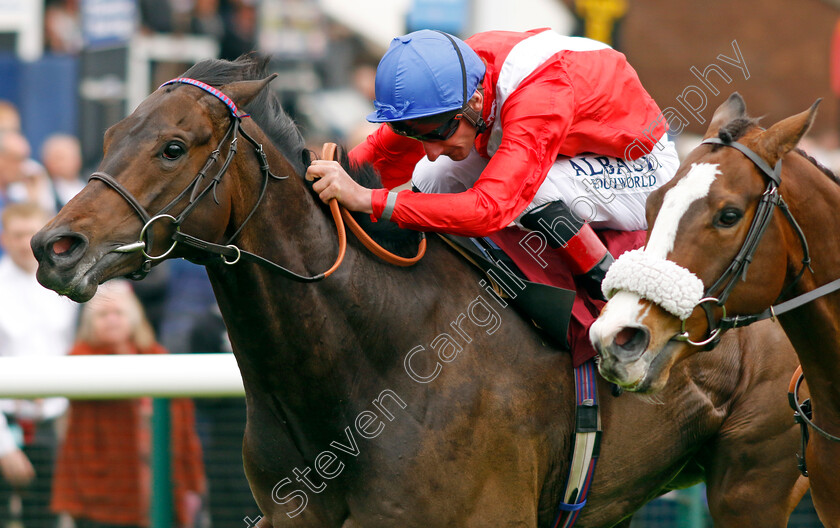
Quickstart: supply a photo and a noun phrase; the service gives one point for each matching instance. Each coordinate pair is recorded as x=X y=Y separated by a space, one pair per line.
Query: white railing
x=121 y=376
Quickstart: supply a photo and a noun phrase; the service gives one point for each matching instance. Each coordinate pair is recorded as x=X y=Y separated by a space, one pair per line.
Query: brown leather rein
x=330 y=152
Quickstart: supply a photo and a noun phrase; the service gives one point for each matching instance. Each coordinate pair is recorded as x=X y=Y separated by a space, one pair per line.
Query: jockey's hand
x=334 y=182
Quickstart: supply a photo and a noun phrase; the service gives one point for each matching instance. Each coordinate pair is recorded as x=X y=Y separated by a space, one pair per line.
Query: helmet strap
x=473 y=117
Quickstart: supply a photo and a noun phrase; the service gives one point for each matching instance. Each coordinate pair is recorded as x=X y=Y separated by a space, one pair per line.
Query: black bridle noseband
x=227 y=251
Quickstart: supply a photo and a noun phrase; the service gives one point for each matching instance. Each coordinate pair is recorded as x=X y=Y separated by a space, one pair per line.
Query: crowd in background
x=86 y=463
x=232 y=22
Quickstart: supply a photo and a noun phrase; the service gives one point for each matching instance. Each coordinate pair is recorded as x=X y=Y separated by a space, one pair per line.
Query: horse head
x=163 y=169
x=702 y=258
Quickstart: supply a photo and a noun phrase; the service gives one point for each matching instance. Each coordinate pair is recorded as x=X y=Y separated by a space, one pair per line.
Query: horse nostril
x=632 y=339
x=66 y=248
x=63 y=245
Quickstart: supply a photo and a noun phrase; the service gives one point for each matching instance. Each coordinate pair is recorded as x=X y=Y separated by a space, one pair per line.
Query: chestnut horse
x=704 y=224
x=386 y=396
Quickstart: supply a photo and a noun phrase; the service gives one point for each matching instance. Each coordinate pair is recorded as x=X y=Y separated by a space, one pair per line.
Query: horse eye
x=173 y=151
x=728 y=217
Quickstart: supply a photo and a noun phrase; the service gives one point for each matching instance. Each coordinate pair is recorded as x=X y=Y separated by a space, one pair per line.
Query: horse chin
x=80 y=282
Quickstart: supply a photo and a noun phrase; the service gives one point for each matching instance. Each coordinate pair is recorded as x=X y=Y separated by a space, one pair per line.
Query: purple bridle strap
x=234 y=110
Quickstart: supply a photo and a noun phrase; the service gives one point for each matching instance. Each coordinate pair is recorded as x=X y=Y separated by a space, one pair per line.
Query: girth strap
x=586 y=447
x=802 y=414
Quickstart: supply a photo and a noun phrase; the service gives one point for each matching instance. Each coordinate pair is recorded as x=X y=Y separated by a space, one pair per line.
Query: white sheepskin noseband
x=660 y=281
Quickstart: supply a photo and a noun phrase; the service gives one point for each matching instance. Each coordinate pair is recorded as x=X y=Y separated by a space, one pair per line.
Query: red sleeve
x=392 y=155
x=535 y=120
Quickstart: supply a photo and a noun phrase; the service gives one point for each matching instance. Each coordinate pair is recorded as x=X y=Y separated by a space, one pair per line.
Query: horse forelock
x=737 y=128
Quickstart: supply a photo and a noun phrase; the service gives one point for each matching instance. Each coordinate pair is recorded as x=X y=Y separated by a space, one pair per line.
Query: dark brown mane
x=403 y=242
x=828 y=172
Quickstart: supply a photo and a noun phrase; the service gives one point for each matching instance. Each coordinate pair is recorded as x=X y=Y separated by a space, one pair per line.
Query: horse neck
x=814 y=329
x=315 y=347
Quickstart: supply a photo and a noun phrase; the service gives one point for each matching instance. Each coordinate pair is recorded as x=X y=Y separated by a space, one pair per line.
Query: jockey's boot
x=575 y=241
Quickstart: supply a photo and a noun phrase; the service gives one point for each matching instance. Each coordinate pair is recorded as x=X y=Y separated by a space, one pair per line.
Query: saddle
x=548 y=307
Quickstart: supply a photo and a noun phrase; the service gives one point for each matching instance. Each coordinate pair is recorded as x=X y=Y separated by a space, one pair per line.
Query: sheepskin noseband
x=665 y=283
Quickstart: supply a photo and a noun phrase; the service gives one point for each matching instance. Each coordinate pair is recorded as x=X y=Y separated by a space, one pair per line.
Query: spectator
x=188 y=296
x=33 y=322
x=14 y=151
x=21 y=179
x=62 y=158
x=156 y=16
x=102 y=475
x=62 y=26
x=206 y=19
x=241 y=30
x=9 y=117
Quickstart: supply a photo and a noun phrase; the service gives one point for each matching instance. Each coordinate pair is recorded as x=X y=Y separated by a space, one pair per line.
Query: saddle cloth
x=584 y=309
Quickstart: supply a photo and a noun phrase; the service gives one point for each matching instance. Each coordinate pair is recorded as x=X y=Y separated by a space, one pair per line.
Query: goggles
x=429 y=128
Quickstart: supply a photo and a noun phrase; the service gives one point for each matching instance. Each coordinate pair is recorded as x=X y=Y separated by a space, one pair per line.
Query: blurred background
x=71 y=68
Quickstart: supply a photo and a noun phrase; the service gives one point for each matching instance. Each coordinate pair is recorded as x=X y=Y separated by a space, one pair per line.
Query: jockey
x=510 y=127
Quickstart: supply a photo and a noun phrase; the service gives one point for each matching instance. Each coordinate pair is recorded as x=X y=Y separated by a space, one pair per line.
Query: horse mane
x=265 y=108
x=825 y=170
x=739 y=126
x=266 y=111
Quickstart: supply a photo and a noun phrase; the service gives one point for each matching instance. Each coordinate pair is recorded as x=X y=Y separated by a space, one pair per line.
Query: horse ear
x=782 y=137
x=731 y=109
x=243 y=92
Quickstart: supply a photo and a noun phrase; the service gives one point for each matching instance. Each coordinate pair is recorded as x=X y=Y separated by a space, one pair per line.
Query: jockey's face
x=458 y=146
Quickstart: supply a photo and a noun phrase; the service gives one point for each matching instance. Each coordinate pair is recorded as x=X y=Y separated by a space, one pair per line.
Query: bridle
x=770 y=200
x=737 y=269
x=229 y=253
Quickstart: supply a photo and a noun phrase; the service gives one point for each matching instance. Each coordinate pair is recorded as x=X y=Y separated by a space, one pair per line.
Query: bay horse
x=389 y=396
x=708 y=224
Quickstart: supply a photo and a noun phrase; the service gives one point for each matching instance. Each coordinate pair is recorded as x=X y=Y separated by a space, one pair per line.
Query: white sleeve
x=53 y=407
x=40 y=409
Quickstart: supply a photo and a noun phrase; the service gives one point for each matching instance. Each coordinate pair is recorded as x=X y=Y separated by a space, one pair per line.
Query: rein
x=802 y=415
x=330 y=152
x=228 y=252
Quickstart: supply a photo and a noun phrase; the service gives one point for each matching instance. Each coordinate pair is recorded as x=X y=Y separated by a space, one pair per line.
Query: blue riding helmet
x=423 y=74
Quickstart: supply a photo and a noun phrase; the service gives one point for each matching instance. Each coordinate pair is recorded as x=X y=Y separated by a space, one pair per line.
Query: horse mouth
x=647 y=374
x=80 y=281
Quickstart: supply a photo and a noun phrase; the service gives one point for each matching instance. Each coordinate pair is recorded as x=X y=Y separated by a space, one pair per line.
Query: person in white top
x=22 y=179
x=34 y=321
x=61 y=155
